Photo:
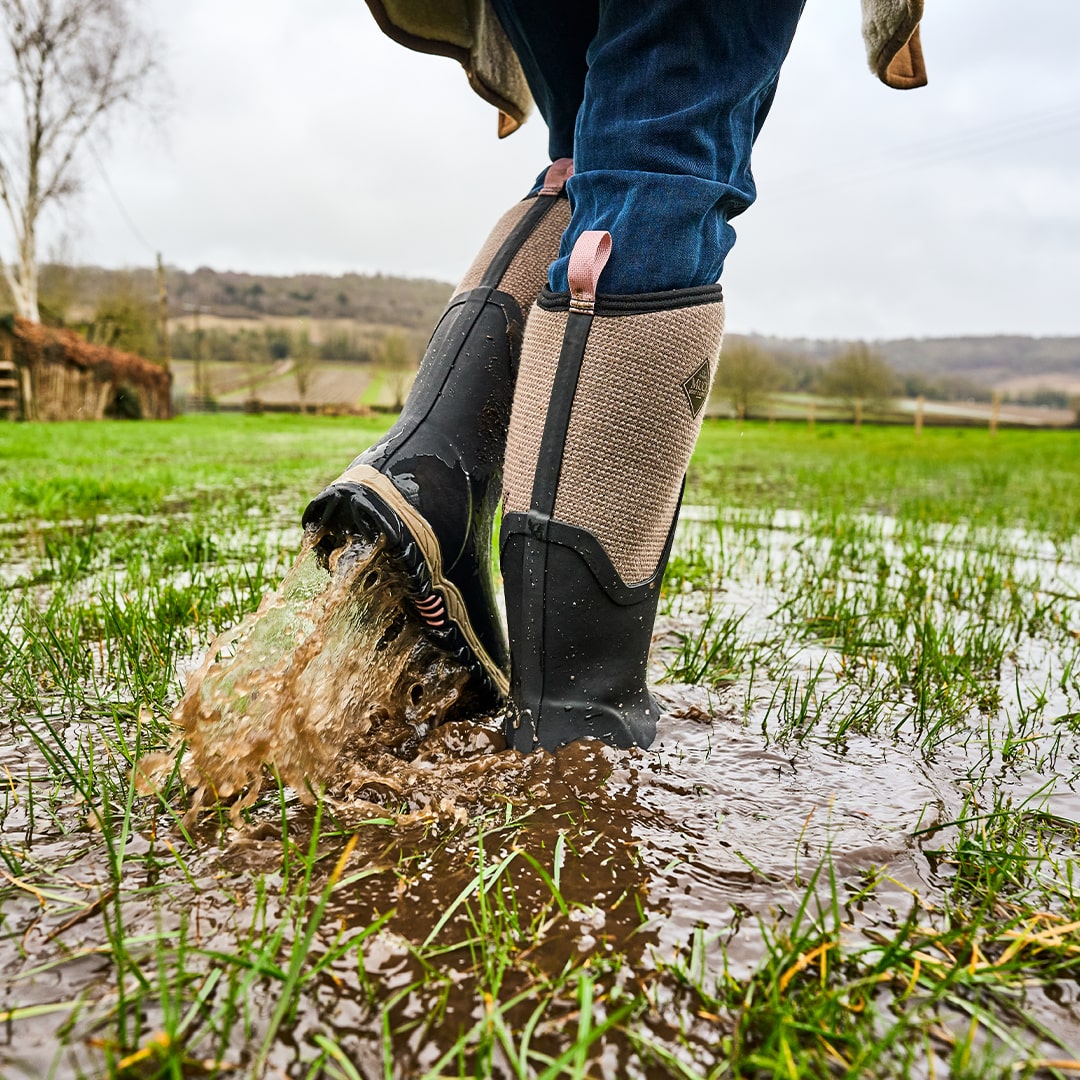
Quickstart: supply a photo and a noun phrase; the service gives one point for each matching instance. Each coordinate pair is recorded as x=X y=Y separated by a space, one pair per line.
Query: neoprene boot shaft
x=431 y=485
x=609 y=401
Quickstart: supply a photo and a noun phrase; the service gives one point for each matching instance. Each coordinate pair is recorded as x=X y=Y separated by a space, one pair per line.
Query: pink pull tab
x=587 y=262
x=555 y=178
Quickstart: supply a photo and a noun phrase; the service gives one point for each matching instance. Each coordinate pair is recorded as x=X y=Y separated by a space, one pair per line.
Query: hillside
x=411 y=303
x=950 y=367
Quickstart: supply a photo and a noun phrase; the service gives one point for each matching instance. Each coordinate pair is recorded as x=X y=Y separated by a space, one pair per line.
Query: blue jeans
x=659 y=103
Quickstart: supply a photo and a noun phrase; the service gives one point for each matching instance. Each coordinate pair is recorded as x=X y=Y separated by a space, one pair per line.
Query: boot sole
x=415 y=547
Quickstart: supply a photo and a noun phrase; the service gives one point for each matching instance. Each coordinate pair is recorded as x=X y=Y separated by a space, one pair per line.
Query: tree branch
x=74 y=63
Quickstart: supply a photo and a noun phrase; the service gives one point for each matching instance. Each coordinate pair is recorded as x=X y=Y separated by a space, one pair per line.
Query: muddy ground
x=851 y=850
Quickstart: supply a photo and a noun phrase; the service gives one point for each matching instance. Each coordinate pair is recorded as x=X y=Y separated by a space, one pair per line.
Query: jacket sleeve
x=893 y=48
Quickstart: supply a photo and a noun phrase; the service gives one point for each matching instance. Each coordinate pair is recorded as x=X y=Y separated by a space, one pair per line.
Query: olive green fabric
x=893 y=45
x=469 y=32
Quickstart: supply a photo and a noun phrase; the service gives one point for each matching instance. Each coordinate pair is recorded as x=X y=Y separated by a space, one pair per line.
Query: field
x=349 y=386
x=333 y=386
x=851 y=852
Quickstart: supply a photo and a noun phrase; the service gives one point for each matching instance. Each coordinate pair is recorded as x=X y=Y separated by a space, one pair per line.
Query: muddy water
x=717 y=829
x=330 y=667
x=709 y=831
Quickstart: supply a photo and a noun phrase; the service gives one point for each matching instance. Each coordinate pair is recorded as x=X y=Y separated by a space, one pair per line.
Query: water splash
x=332 y=669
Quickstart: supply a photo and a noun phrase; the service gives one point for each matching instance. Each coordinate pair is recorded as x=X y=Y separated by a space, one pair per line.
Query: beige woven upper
x=632 y=425
x=527 y=272
x=536 y=375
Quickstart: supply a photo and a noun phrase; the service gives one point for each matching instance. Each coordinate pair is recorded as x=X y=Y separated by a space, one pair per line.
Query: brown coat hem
x=901 y=64
x=511 y=115
x=469 y=32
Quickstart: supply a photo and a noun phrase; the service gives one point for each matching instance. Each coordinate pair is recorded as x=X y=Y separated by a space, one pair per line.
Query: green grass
x=1018 y=478
x=74 y=471
x=834 y=598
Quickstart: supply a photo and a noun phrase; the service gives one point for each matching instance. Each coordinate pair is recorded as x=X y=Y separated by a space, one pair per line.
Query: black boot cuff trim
x=637 y=304
x=584 y=543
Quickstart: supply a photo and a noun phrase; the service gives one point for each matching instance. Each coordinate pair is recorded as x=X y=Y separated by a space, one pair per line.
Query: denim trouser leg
x=675 y=93
x=550 y=40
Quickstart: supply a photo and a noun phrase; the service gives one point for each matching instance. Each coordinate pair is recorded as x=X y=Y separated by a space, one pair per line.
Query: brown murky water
x=331 y=669
x=712 y=835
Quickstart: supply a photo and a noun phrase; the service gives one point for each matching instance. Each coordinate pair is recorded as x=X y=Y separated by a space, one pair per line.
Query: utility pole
x=200 y=386
x=199 y=389
x=163 y=316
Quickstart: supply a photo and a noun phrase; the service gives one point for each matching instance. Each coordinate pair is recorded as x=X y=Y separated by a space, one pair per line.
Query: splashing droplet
x=336 y=659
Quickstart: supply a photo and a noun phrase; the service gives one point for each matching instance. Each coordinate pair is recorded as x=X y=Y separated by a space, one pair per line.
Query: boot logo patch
x=696 y=387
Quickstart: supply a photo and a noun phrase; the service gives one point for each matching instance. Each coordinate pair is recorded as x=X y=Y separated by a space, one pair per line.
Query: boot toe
x=370 y=507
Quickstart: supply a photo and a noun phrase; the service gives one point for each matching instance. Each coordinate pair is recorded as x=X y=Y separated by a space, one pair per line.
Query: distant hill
x=955 y=365
x=411 y=303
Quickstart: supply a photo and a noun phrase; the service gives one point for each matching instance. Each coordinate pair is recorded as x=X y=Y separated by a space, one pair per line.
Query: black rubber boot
x=608 y=406
x=431 y=485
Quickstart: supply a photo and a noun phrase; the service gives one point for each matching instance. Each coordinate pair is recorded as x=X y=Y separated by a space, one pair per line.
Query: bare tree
x=746 y=375
x=859 y=377
x=303 y=364
x=397 y=356
x=251 y=352
x=70 y=64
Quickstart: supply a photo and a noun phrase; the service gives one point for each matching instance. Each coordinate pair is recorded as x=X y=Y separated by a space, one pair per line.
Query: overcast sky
x=301 y=139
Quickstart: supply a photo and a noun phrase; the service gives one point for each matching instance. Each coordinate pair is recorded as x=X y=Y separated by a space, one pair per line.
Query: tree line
x=747 y=376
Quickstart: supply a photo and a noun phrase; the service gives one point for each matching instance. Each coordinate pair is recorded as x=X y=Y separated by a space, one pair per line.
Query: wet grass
x=229 y=465
x=1019 y=478
x=835 y=600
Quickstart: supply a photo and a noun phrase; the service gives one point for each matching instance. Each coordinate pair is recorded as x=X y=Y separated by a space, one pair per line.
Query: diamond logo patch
x=697 y=387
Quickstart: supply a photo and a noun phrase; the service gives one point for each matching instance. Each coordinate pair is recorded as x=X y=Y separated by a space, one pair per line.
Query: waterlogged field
x=851 y=852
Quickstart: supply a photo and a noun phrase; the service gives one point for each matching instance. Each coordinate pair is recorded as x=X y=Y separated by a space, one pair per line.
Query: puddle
x=758 y=778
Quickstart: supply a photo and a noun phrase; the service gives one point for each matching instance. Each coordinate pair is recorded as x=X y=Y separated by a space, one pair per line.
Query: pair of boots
x=596 y=408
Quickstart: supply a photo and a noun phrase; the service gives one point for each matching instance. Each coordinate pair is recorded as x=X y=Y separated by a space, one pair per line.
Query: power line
x=896 y=160
x=128 y=220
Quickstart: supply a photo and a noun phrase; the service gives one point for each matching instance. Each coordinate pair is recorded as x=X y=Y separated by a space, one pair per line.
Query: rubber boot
x=609 y=403
x=430 y=487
